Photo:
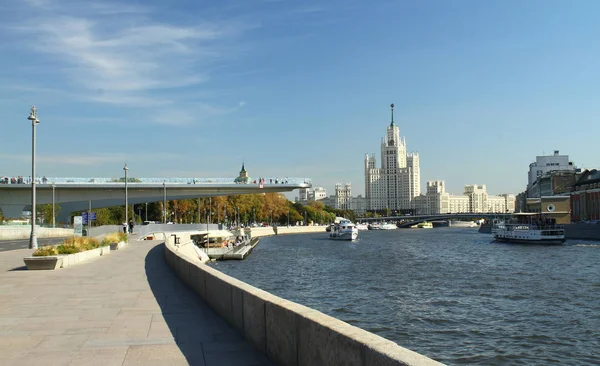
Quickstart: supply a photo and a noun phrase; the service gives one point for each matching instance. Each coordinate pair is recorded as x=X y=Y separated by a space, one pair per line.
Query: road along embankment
x=289 y=334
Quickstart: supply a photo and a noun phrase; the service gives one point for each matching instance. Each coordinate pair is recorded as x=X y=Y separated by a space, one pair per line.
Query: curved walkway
x=124 y=309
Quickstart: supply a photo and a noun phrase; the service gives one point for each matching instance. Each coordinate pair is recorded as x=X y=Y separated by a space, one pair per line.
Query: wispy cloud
x=129 y=60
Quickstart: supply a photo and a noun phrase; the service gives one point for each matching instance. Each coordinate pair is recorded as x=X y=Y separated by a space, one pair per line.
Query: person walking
x=124 y=228
x=130 y=226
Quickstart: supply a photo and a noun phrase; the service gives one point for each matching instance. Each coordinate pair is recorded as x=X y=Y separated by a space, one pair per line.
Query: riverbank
x=286 y=332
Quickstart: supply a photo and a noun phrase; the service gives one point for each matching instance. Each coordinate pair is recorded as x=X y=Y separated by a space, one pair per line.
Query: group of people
x=21 y=180
x=128 y=227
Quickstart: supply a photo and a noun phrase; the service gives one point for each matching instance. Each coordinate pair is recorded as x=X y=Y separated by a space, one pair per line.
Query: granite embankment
x=23 y=232
x=286 y=332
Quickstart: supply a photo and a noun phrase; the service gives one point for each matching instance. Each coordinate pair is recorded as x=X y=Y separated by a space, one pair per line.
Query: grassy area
x=69 y=246
x=114 y=238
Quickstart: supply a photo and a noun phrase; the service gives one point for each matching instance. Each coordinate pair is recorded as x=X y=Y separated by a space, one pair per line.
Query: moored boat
x=529 y=228
x=388 y=226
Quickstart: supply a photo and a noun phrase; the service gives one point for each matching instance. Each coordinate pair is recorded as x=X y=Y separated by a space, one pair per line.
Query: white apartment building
x=474 y=200
x=542 y=166
x=397 y=182
x=306 y=195
x=343 y=196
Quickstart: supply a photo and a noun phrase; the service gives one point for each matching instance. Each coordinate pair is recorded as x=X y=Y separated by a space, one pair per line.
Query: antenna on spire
x=392 y=106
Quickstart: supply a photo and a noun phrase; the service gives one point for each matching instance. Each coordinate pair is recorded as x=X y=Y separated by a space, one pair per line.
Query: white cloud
x=131 y=59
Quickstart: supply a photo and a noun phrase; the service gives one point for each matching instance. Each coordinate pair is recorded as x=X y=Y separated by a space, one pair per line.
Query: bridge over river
x=407 y=221
x=74 y=194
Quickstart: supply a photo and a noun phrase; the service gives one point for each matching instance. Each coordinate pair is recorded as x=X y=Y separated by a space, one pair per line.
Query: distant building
x=243 y=177
x=396 y=184
x=585 y=197
x=343 y=196
x=539 y=182
x=311 y=194
x=474 y=200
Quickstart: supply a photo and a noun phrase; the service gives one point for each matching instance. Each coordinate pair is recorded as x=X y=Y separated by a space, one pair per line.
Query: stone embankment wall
x=23 y=232
x=582 y=231
x=288 y=333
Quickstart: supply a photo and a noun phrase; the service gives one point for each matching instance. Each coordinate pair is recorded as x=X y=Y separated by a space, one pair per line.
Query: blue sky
x=195 y=88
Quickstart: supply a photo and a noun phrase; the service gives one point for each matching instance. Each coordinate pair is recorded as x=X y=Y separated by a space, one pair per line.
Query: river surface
x=449 y=293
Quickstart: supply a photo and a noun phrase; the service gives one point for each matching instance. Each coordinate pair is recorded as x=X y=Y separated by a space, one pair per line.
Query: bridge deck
x=124 y=309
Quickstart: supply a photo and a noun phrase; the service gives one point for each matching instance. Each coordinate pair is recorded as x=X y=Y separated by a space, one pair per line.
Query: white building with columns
x=396 y=184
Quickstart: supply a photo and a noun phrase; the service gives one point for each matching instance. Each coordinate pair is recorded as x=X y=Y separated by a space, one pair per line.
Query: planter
x=64 y=261
x=117 y=246
x=49 y=262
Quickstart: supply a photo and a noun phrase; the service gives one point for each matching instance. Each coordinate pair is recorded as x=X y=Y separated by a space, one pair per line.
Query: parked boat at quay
x=374 y=226
x=362 y=227
x=388 y=226
x=463 y=224
x=529 y=228
x=343 y=230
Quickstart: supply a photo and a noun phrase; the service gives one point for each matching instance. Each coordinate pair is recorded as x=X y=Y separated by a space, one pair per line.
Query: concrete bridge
x=74 y=194
x=408 y=221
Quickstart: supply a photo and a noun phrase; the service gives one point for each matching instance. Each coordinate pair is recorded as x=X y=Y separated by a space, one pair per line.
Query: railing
x=120 y=181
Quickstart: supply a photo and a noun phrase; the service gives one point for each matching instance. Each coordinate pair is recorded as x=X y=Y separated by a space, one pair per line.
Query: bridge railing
x=134 y=180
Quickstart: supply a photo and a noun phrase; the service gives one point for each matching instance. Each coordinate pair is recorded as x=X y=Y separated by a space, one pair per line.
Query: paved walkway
x=123 y=309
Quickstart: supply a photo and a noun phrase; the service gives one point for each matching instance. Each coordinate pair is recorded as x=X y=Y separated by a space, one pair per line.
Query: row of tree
x=271 y=208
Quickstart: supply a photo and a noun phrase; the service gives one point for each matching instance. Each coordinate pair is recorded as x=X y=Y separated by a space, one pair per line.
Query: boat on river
x=529 y=228
x=388 y=226
x=343 y=230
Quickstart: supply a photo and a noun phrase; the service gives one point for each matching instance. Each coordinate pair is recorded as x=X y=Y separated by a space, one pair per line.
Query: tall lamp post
x=33 y=244
x=126 y=169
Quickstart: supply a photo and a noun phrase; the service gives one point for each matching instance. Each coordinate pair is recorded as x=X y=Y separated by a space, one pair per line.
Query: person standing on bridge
x=130 y=226
x=124 y=228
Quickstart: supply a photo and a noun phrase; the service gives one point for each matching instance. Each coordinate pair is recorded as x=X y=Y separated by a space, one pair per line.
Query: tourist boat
x=343 y=230
x=388 y=226
x=529 y=228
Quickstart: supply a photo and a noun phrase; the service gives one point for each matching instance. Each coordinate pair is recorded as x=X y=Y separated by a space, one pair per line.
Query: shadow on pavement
x=202 y=335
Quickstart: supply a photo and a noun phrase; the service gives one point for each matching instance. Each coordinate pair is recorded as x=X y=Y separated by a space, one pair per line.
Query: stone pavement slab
x=124 y=309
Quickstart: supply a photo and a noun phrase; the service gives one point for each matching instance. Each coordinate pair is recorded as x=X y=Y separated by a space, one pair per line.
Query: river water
x=449 y=293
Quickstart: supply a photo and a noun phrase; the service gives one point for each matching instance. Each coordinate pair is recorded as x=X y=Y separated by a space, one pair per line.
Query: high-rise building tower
x=395 y=185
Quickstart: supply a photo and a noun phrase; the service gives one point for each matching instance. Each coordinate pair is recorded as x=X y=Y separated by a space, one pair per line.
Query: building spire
x=243 y=168
x=392 y=106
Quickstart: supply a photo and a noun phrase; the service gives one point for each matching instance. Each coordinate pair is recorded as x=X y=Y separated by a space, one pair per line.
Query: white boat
x=362 y=227
x=374 y=226
x=462 y=224
x=388 y=226
x=529 y=228
x=343 y=230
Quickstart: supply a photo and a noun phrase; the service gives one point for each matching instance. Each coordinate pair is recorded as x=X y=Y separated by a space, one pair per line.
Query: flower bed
x=71 y=251
x=115 y=240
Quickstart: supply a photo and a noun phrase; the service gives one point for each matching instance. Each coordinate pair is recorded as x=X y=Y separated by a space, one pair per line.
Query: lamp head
x=125 y=168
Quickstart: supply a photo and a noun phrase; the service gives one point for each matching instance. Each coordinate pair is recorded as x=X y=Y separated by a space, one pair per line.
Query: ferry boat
x=343 y=230
x=529 y=228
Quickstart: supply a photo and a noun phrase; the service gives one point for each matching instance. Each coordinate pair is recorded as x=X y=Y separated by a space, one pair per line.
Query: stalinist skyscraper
x=395 y=185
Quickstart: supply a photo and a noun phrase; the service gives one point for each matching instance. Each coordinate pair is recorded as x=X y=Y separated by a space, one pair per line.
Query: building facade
x=474 y=200
x=539 y=178
x=395 y=184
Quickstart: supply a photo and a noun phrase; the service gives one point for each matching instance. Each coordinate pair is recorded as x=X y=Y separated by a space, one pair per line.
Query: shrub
x=122 y=237
x=112 y=238
x=45 y=251
x=67 y=249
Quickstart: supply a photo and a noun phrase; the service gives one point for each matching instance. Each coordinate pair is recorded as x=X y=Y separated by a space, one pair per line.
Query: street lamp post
x=288 y=218
x=33 y=244
x=53 y=212
x=164 y=202
x=146 y=211
x=126 y=169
